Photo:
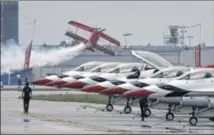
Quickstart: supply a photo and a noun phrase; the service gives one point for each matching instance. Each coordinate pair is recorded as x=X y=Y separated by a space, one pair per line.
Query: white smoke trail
x=12 y=58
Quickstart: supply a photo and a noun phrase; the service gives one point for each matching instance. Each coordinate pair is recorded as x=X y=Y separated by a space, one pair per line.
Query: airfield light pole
x=192 y=26
x=126 y=35
x=198 y=25
x=34 y=25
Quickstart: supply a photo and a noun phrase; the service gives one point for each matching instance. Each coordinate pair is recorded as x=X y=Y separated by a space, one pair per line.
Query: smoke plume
x=12 y=57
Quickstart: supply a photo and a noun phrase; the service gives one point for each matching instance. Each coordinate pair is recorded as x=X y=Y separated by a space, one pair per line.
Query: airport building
x=9 y=21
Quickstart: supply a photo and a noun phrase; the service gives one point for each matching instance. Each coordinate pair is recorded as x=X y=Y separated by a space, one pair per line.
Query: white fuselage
x=200 y=87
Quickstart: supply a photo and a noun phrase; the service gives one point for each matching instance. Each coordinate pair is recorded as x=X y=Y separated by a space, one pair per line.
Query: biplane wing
x=90 y=29
x=75 y=36
x=78 y=38
x=103 y=49
x=93 y=39
x=95 y=45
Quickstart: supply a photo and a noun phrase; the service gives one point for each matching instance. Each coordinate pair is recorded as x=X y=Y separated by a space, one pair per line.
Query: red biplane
x=96 y=34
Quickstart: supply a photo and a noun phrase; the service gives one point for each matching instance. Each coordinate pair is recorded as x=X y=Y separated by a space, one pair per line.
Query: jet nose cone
x=56 y=83
x=73 y=84
x=41 y=81
x=114 y=90
x=139 y=92
x=92 y=88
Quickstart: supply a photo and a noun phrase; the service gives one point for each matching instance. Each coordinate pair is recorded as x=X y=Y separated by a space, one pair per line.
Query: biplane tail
x=93 y=39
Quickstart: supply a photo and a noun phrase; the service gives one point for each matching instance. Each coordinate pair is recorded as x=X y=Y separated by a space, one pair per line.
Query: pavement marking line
x=75 y=123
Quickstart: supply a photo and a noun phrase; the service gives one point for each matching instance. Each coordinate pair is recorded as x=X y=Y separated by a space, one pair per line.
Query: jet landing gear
x=109 y=106
x=170 y=116
x=193 y=120
x=128 y=108
x=196 y=111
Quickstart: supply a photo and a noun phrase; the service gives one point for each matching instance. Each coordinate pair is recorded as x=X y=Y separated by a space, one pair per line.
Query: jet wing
x=152 y=59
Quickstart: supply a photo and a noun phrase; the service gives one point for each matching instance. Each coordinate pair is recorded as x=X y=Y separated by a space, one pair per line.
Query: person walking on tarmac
x=26 y=95
x=142 y=104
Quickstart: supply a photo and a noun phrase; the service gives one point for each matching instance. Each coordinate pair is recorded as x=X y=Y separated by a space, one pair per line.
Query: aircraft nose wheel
x=147 y=112
x=127 y=109
x=193 y=121
x=109 y=107
x=169 y=116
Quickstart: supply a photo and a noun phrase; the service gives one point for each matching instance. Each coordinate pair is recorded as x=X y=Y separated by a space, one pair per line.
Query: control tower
x=173 y=38
x=9 y=21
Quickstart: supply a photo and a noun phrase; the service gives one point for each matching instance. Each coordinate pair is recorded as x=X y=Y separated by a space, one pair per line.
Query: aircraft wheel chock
x=127 y=109
x=109 y=107
x=193 y=121
x=169 y=116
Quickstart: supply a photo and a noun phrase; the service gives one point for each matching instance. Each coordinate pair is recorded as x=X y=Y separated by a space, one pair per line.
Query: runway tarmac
x=63 y=117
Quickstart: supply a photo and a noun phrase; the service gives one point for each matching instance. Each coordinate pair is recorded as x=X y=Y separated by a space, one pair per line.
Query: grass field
x=87 y=98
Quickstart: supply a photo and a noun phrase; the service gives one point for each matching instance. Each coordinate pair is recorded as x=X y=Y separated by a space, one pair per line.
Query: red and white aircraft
x=96 y=34
x=196 y=83
x=161 y=76
x=104 y=67
x=153 y=62
x=121 y=85
x=84 y=67
x=89 y=44
x=124 y=69
x=197 y=70
x=179 y=87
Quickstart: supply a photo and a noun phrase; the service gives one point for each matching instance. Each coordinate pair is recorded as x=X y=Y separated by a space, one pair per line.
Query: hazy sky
x=147 y=21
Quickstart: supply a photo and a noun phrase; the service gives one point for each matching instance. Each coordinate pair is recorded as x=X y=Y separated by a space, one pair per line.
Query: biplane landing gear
x=109 y=106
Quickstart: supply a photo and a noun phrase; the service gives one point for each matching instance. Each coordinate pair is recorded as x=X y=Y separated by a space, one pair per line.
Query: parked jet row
x=84 y=67
x=117 y=87
x=87 y=69
x=204 y=71
x=152 y=81
x=200 y=84
x=147 y=69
